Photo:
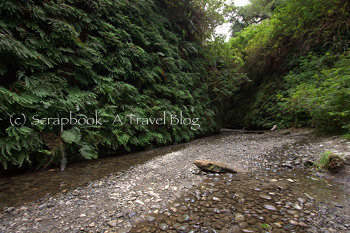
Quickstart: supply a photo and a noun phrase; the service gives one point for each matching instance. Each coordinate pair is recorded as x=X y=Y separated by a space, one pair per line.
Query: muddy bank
x=136 y=198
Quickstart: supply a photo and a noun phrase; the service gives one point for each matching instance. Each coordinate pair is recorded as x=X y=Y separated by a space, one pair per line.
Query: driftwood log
x=214 y=166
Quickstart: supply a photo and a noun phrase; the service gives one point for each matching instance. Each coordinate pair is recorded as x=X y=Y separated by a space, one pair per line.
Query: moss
x=330 y=162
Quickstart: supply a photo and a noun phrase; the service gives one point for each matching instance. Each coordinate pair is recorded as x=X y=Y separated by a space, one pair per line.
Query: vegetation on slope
x=297 y=59
x=110 y=58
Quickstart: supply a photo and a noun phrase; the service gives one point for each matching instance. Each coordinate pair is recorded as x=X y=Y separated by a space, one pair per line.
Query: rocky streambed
x=165 y=192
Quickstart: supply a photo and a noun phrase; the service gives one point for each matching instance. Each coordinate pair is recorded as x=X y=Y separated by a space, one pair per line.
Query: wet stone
x=243 y=224
x=131 y=214
x=266 y=197
x=112 y=223
x=150 y=218
x=181 y=228
x=239 y=217
x=288 y=227
x=295 y=223
x=156 y=206
x=163 y=226
x=234 y=229
x=270 y=207
x=301 y=200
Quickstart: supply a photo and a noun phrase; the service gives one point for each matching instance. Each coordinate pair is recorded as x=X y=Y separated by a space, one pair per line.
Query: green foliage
x=110 y=56
x=329 y=162
x=289 y=87
x=322 y=91
x=251 y=14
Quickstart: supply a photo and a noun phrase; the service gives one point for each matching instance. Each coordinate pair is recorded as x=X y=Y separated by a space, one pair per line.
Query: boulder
x=214 y=166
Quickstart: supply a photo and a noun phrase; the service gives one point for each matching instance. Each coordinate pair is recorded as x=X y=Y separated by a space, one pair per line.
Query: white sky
x=225 y=28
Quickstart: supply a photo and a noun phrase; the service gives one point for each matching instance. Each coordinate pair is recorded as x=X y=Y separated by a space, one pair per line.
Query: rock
x=243 y=224
x=287 y=164
x=335 y=164
x=42 y=206
x=156 y=206
x=301 y=200
x=112 y=223
x=274 y=128
x=239 y=217
x=124 y=230
x=163 y=226
x=131 y=214
x=270 y=207
x=213 y=166
x=183 y=218
x=295 y=223
x=234 y=229
x=139 y=202
x=92 y=224
x=303 y=224
x=137 y=220
x=308 y=163
x=266 y=197
x=181 y=228
x=75 y=192
x=150 y=218
x=277 y=224
x=297 y=207
x=288 y=227
x=10 y=209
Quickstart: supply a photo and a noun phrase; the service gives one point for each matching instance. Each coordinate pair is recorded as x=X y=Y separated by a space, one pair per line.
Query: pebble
x=42 y=206
x=270 y=207
x=234 y=229
x=132 y=214
x=301 y=200
x=243 y=224
x=139 y=202
x=288 y=227
x=295 y=223
x=277 y=224
x=112 y=223
x=239 y=217
x=150 y=218
x=163 y=226
x=157 y=206
x=266 y=197
x=302 y=224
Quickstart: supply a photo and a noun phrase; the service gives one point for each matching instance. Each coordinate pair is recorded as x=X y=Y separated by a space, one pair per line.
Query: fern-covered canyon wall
x=108 y=57
x=146 y=73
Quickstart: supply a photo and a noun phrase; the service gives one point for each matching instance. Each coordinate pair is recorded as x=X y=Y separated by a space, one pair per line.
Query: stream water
x=23 y=188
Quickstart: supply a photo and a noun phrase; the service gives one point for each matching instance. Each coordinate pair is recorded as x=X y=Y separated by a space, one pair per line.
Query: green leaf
x=70 y=136
x=88 y=152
